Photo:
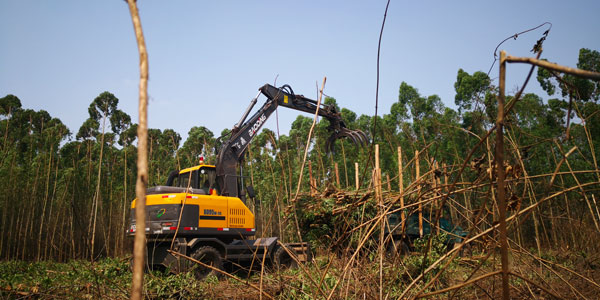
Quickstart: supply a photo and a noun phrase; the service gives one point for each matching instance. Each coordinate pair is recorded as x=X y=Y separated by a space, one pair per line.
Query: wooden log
x=389 y=185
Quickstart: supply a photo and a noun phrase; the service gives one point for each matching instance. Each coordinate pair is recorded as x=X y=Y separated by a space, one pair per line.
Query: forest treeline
x=66 y=194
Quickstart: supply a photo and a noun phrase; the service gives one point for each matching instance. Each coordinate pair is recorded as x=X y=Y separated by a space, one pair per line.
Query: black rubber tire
x=398 y=248
x=207 y=255
x=282 y=260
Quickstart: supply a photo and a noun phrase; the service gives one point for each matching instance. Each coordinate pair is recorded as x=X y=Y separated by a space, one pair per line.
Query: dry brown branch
x=553 y=264
x=487 y=231
x=458 y=286
x=142 y=159
x=544 y=264
x=308 y=142
x=302 y=267
x=537 y=285
x=479 y=265
x=555 y=67
x=560 y=164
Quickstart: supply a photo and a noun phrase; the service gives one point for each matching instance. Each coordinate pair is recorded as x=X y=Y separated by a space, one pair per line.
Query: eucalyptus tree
x=54 y=133
x=101 y=108
x=127 y=133
x=10 y=106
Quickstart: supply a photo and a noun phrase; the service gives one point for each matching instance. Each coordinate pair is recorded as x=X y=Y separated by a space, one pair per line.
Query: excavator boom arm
x=232 y=151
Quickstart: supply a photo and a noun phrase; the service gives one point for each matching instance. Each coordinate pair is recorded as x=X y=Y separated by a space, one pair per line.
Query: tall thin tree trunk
x=124 y=220
x=87 y=189
x=97 y=193
x=29 y=225
x=72 y=226
x=572 y=232
x=42 y=221
x=52 y=204
x=7 y=234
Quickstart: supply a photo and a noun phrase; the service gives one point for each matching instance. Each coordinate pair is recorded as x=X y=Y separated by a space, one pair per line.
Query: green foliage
x=120 y=122
x=88 y=129
x=199 y=142
x=8 y=104
x=324 y=227
x=578 y=88
x=108 y=278
x=469 y=88
x=417 y=263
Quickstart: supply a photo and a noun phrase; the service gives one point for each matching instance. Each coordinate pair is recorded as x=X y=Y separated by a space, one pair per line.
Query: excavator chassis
x=159 y=255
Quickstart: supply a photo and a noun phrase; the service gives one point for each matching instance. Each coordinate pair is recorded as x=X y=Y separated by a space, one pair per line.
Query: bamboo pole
x=142 y=159
x=379 y=197
x=418 y=177
x=377 y=174
x=356 y=175
x=553 y=66
x=310 y=132
x=436 y=182
x=500 y=179
x=401 y=189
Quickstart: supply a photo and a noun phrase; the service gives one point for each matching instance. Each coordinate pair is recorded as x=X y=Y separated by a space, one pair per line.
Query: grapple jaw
x=338 y=132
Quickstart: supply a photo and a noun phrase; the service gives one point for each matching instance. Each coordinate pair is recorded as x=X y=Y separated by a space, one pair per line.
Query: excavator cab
x=201 y=177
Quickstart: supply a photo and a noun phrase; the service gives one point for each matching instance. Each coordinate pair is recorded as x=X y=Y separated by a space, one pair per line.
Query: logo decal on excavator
x=212 y=212
x=161 y=212
x=257 y=125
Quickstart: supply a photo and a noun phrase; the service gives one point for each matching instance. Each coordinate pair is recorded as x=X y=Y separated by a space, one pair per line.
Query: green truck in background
x=402 y=240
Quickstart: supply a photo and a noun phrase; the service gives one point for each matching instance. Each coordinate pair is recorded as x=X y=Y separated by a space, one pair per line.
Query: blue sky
x=208 y=58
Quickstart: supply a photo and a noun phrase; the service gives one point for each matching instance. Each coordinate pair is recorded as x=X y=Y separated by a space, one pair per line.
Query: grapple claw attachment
x=357 y=136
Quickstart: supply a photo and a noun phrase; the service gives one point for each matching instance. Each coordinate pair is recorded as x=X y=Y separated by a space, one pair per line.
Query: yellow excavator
x=201 y=211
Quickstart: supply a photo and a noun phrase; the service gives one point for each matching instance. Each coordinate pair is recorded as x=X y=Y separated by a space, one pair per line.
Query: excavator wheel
x=397 y=248
x=282 y=259
x=209 y=256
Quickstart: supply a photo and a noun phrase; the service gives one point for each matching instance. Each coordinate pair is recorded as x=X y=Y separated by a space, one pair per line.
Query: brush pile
x=330 y=219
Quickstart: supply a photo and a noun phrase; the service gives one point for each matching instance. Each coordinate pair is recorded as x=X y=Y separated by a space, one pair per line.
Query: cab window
x=203 y=178
x=187 y=179
x=207 y=179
